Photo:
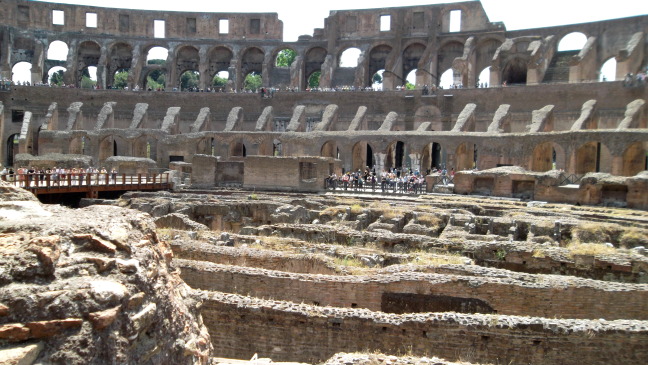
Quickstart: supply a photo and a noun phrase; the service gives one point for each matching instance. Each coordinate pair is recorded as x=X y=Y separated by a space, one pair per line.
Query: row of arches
x=359 y=66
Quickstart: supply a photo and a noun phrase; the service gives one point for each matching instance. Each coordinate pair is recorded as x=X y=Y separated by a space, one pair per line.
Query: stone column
x=136 y=67
x=72 y=64
x=5 y=51
x=380 y=162
x=172 y=76
x=415 y=159
x=38 y=63
x=265 y=69
x=203 y=68
x=617 y=165
x=102 y=67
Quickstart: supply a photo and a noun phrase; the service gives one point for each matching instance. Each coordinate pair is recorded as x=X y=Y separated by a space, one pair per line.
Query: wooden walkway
x=90 y=184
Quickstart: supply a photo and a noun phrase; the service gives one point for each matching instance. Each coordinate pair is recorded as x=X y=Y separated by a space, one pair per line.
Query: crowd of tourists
x=58 y=176
x=392 y=181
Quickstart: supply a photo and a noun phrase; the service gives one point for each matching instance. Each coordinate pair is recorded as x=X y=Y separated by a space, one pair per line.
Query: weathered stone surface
x=67 y=280
x=21 y=354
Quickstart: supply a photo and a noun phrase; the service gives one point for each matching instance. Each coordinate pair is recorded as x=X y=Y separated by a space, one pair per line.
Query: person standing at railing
x=113 y=175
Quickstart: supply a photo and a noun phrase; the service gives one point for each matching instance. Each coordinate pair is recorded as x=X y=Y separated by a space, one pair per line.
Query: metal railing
x=569 y=179
x=385 y=187
x=71 y=180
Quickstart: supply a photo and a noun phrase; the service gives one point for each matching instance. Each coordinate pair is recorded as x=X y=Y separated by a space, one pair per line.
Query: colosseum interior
x=535 y=253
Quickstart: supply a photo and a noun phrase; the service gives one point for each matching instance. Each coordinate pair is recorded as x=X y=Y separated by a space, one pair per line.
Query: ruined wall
x=588 y=299
x=242 y=326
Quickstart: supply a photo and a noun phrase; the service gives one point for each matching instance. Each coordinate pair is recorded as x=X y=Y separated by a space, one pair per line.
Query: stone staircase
x=558 y=70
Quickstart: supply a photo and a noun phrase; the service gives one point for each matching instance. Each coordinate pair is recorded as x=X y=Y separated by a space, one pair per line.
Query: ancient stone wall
x=245 y=326
x=553 y=298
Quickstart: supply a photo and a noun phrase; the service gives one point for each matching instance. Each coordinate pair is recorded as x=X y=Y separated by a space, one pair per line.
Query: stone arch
x=515 y=71
x=79 y=145
x=187 y=59
x=120 y=57
x=484 y=53
x=252 y=60
x=145 y=147
x=206 y=146
x=396 y=156
x=330 y=149
x=592 y=157
x=238 y=148
x=277 y=51
x=447 y=53
x=112 y=145
x=22 y=50
x=433 y=156
x=411 y=57
x=313 y=61
x=362 y=156
x=349 y=57
x=377 y=60
x=56 y=59
x=88 y=55
x=428 y=113
x=548 y=156
x=635 y=159
x=220 y=59
x=155 y=52
x=572 y=42
x=465 y=156
x=12 y=148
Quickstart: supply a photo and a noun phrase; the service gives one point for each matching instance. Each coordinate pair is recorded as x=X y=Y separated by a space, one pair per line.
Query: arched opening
x=55 y=76
x=277 y=148
x=433 y=157
x=349 y=58
x=395 y=158
x=253 y=81
x=466 y=156
x=220 y=59
x=89 y=77
x=21 y=73
x=252 y=64
x=548 y=156
x=12 y=148
x=329 y=149
x=314 y=79
x=313 y=64
x=410 y=80
x=219 y=81
x=187 y=63
x=593 y=157
x=608 y=70
x=120 y=59
x=635 y=159
x=78 y=145
x=485 y=52
x=112 y=146
x=88 y=55
x=238 y=149
x=377 y=65
x=57 y=51
x=120 y=79
x=190 y=80
x=362 y=156
x=157 y=56
x=572 y=42
x=447 y=54
x=515 y=71
x=285 y=57
x=155 y=80
x=411 y=57
x=484 y=77
x=447 y=80
x=377 y=80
